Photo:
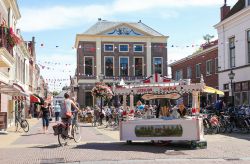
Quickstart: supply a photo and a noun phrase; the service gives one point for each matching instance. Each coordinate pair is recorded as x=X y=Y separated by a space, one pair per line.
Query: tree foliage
x=208 y=37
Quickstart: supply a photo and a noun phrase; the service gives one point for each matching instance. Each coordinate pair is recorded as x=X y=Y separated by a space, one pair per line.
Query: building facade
x=117 y=50
x=9 y=15
x=234 y=51
x=203 y=62
x=15 y=58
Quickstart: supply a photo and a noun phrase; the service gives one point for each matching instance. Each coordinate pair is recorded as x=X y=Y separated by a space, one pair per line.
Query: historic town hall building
x=115 y=50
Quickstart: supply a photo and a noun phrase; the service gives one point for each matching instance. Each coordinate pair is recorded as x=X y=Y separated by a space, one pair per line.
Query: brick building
x=203 y=62
x=117 y=50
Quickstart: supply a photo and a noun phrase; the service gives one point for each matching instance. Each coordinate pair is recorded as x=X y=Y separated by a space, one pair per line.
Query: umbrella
x=41 y=99
x=34 y=99
x=213 y=90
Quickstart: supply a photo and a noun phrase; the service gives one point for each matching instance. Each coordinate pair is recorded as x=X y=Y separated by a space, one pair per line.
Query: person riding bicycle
x=66 y=113
x=74 y=111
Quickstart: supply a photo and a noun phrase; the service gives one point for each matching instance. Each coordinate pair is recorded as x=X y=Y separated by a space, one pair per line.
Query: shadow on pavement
x=245 y=136
x=137 y=146
x=33 y=134
x=52 y=146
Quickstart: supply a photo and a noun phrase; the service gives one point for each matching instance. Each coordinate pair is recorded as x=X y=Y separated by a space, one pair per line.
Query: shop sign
x=158 y=130
x=167 y=96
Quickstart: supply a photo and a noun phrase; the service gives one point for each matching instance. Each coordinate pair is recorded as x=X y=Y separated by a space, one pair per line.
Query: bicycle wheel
x=206 y=126
x=229 y=127
x=76 y=133
x=25 y=125
x=62 y=139
x=222 y=127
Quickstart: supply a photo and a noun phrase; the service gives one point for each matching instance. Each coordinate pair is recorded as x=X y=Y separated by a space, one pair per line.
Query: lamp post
x=101 y=80
x=231 y=75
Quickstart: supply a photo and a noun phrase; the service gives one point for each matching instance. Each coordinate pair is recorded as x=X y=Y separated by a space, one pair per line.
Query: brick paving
x=102 y=146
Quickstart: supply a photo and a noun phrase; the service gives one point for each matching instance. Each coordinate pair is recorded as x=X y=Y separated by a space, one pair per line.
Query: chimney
x=224 y=10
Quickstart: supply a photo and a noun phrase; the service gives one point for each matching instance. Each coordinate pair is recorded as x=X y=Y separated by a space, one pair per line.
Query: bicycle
x=61 y=130
x=22 y=122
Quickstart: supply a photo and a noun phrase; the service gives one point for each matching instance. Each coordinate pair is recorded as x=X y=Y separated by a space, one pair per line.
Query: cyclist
x=66 y=110
x=74 y=111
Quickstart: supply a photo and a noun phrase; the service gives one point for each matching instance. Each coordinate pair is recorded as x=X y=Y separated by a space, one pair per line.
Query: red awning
x=34 y=99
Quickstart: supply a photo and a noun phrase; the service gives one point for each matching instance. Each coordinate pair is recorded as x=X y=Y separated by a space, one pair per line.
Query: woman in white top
x=66 y=107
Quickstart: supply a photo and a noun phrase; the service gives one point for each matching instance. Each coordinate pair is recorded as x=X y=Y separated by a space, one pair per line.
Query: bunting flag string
x=92 y=48
x=53 y=68
x=53 y=63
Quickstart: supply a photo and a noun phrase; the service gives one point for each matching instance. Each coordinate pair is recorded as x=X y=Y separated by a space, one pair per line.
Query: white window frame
x=154 y=64
x=120 y=64
x=208 y=73
x=105 y=64
x=189 y=68
x=138 y=45
x=123 y=45
x=196 y=70
x=247 y=47
x=92 y=64
x=179 y=73
x=216 y=63
x=108 y=44
x=243 y=96
x=142 y=64
x=231 y=62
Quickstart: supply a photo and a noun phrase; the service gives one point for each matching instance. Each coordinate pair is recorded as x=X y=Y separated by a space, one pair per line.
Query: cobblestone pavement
x=103 y=146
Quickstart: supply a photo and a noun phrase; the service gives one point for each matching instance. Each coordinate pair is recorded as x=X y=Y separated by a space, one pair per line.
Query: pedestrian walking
x=57 y=111
x=45 y=113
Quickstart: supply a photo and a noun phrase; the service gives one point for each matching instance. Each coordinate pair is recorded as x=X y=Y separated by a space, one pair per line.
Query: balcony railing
x=3 y=40
x=125 y=78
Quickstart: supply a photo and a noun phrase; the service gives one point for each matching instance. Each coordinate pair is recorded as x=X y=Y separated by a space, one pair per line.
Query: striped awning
x=14 y=90
x=19 y=98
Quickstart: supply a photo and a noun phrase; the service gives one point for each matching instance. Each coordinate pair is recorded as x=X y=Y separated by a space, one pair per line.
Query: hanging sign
x=167 y=96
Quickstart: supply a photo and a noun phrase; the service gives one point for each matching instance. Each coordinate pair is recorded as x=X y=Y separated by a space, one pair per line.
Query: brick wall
x=131 y=54
x=210 y=80
x=160 y=50
x=85 y=49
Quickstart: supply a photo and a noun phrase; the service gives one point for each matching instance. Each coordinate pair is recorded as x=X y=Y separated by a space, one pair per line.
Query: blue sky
x=55 y=24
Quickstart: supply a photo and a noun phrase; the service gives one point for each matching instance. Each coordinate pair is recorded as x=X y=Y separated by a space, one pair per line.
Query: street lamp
x=101 y=80
x=231 y=75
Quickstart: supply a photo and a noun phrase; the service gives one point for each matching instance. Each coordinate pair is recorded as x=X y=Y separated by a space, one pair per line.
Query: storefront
x=12 y=99
x=241 y=93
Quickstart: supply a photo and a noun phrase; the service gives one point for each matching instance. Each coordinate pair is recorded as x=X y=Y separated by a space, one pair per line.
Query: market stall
x=164 y=128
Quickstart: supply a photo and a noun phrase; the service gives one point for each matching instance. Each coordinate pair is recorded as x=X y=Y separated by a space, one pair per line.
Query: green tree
x=208 y=37
x=55 y=93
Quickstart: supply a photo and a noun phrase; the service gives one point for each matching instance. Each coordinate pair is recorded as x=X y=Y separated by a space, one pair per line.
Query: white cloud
x=132 y=5
x=56 y=17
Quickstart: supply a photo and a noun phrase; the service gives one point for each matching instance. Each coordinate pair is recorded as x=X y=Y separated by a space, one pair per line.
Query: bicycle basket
x=60 y=129
x=56 y=129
